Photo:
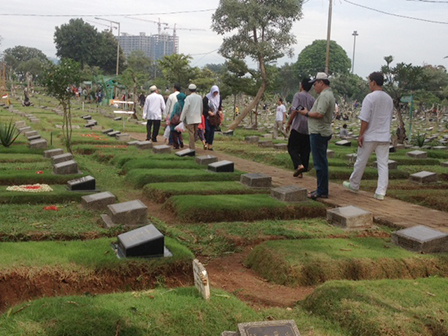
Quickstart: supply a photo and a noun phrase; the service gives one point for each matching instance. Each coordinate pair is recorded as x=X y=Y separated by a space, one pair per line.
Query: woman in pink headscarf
x=212 y=114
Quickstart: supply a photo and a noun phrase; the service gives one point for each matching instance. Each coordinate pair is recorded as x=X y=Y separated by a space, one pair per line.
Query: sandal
x=299 y=171
x=314 y=195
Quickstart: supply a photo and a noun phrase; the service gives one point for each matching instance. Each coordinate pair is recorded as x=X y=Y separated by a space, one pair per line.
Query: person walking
x=191 y=114
x=376 y=117
x=174 y=120
x=299 y=139
x=280 y=118
x=319 y=126
x=171 y=100
x=212 y=110
x=153 y=111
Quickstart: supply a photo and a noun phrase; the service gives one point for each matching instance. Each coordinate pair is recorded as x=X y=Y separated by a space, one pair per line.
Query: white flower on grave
x=35 y=188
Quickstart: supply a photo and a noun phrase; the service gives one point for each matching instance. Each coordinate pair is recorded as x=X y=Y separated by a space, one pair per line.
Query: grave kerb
x=201 y=280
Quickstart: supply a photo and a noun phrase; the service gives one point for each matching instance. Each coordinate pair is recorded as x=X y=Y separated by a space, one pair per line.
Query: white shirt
x=154 y=107
x=170 y=102
x=377 y=110
x=192 y=111
x=281 y=110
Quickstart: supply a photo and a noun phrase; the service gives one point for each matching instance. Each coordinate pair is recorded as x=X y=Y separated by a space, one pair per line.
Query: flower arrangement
x=31 y=188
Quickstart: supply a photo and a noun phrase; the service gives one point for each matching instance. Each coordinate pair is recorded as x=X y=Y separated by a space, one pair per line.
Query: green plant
x=420 y=139
x=8 y=133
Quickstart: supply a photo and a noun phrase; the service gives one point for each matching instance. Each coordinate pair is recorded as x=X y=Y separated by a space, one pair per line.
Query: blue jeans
x=319 y=145
x=209 y=132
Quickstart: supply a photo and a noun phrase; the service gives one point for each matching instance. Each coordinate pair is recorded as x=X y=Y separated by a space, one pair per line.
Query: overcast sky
x=408 y=40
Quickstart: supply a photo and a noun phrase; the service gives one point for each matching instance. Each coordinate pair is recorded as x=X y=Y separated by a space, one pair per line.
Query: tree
x=261 y=32
x=21 y=60
x=350 y=87
x=312 y=58
x=58 y=80
x=176 y=69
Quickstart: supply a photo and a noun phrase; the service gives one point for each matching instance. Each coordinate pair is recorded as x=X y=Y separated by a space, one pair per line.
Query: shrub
x=8 y=133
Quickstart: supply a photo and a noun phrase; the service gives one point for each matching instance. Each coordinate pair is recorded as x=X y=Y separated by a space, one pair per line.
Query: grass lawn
x=18 y=177
x=150 y=163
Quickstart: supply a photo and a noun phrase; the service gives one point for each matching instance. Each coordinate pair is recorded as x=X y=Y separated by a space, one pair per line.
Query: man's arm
x=364 y=127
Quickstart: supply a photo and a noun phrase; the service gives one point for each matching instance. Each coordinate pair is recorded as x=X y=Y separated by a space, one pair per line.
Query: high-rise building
x=154 y=46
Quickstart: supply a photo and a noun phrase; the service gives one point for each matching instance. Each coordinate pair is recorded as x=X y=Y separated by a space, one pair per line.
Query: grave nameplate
x=123 y=137
x=330 y=153
x=392 y=149
x=86 y=117
x=390 y=163
x=65 y=168
x=143 y=144
x=252 y=138
x=162 y=149
x=31 y=133
x=205 y=160
x=444 y=164
x=201 y=281
x=33 y=137
x=256 y=180
x=265 y=143
x=25 y=129
x=53 y=152
x=223 y=166
x=61 y=158
x=98 y=201
x=117 y=118
x=112 y=134
x=144 y=242
x=281 y=146
x=186 y=152
x=440 y=147
x=228 y=133
x=424 y=177
x=128 y=213
x=421 y=238
x=83 y=183
x=350 y=217
x=345 y=143
x=38 y=144
x=289 y=193
x=132 y=143
x=107 y=131
x=269 y=328
x=417 y=154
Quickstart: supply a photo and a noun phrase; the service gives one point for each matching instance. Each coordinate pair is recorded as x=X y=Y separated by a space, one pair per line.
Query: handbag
x=175 y=120
x=214 y=120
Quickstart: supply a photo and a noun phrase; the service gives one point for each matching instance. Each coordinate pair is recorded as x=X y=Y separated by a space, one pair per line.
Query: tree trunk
x=401 y=131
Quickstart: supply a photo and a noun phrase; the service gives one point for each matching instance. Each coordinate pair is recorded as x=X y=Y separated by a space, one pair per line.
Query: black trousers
x=299 y=149
x=155 y=131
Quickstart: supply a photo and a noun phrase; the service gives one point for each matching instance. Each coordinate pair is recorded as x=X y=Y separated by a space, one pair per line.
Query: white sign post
x=201 y=279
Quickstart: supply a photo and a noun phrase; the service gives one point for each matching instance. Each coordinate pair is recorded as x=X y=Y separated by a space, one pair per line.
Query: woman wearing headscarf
x=212 y=114
x=175 y=120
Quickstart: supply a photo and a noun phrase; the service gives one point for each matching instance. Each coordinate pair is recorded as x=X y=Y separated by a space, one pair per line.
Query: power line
x=93 y=15
x=396 y=15
x=433 y=1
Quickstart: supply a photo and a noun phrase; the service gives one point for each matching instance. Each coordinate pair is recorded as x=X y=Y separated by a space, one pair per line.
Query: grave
x=350 y=217
x=25 y=129
x=267 y=136
x=421 y=239
x=223 y=166
x=130 y=213
x=143 y=144
x=281 y=146
x=98 y=201
x=201 y=281
x=252 y=138
x=390 y=163
x=86 y=117
x=61 y=158
x=266 y=328
x=132 y=143
x=265 y=143
x=66 y=167
x=161 y=149
x=424 y=177
x=205 y=160
x=330 y=153
x=344 y=143
x=107 y=131
x=38 y=144
x=144 y=242
x=91 y=123
x=417 y=154
x=85 y=183
x=256 y=180
x=290 y=193
x=186 y=152
x=440 y=147
x=114 y=133
x=34 y=120
x=228 y=133
x=52 y=152
x=444 y=164
x=123 y=137
x=20 y=124
x=31 y=133
x=117 y=118
x=33 y=137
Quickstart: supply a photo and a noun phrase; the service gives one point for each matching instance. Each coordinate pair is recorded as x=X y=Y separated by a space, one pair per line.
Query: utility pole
x=355 y=33
x=327 y=61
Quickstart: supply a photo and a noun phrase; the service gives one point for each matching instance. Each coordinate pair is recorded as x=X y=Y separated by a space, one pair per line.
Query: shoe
x=181 y=145
x=378 y=197
x=299 y=171
x=205 y=147
x=314 y=195
x=347 y=185
x=210 y=149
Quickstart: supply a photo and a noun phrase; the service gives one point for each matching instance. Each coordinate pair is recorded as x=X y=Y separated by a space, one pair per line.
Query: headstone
x=290 y=193
x=132 y=143
x=31 y=133
x=65 y=168
x=444 y=164
x=265 y=143
x=123 y=137
x=61 y=158
x=252 y=138
x=117 y=118
x=186 y=152
x=91 y=123
x=440 y=147
x=350 y=217
x=281 y=146
x=127 y=213
x=113 y=134
x=223 y=166
x=144 y=242
x=53 y=152
x=267 y=136
x=268 y=328
x=390 y=163
x=330 y=153
x=417 y=154
x=107 y=131
x=24 y=129
x=98 y=201
x=162 y=149
x=38 y=144
x=201 y=281
x=421 y=238
x=345 y=143
x=424 y=177
x=143 y=144
x=86 y=117
x=205 y=160
x=228 y=133
x=33 y=137
x=256 y=180
x=83 y=183
x=34 y=120
x=20 y=124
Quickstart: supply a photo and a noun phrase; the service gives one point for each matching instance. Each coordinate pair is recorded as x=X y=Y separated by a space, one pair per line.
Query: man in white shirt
x=170 y=102
x=191 y=114
x=376 y=117
x=153 y=111
x=280 y=118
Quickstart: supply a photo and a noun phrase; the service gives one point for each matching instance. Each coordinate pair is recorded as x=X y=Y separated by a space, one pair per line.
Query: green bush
x=8 y=133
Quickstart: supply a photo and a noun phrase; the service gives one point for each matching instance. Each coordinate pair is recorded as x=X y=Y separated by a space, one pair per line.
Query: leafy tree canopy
x=176 y=69
x=16 y=57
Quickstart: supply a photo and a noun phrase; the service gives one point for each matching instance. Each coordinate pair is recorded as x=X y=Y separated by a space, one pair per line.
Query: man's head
x=192 y=88
x=321 y=82
x=176 y=87
x=305 y=84
x=376 y=80
x=279 y=101
x=153 y=88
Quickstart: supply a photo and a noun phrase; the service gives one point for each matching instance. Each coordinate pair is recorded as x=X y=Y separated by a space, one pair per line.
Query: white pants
x=382 y=157
x=278 y=128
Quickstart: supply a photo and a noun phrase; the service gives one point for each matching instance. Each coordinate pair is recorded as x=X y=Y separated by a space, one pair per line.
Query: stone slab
x=424 y=177
x=86 y=183
x=38 y=144
x=256 y=180
x=444 y=164
x=421 y=238
x=20 y=124
x=25 y=129
x=330 y=153
x=53 y=152
x=143 y=144
x=440 y=147
x=344 y=143
x=98 y=201
x=392 y=149
x=228 y=133
x=223 y=166
x=350 y=217
x=34 y=137
x=143 y=242
x=113 y=134
x=391 y=164
x=34 y=120
x=132 y=143
x=31 y=133
x=61 y=158
x=290 y=193
x=281 y=146
x=128 y=213
x=107 y=131
x=86 y=117
x=265 y=143
x=201 y=281
x=65 y=168
x=186 y=152
x=161 y=149
x=268 y=328
x=205 y=160
x=417 y=154
x=123 y=137
x=252 y=138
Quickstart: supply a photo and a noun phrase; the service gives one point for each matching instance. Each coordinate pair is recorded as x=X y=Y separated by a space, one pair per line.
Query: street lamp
x=118 y=40
x=355 y=33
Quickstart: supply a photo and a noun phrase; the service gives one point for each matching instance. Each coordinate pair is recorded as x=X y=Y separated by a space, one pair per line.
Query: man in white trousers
x=376 y=117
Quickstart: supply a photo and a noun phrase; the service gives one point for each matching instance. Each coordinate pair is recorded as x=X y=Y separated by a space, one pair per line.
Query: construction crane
x=174 y=33
x=102 y=24
x=159 y=24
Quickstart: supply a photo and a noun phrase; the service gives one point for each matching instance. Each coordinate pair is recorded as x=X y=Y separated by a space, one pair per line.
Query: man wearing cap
x=191 y=114
x=153 y=111
x=319 y=127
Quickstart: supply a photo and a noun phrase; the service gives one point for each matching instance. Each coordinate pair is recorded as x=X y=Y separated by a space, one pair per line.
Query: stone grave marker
x=330 y=153
x=61 y=158
x=256 y=180
x=444 y=164
x=421 y=238
x=205 y=160
x=132 y=143
x=161 y=149
x=65 y=168
x=85 y=183
x=38 y=144
x=52 y=152
x=440 y=147
x=31 y=133
x=350 y=217
x=391 y=164
x=20 y=124
x=91 y=123
x=345 y=143
x=143 y=144
x=123 y=137
x=252 y=138
x=117 y=118
x=290 y=193
x=392 y=149
x=269 y=328
x=114 y=133
x=228 y=133
x=33 y=137
x=201 y=281
x=265 y=143
x=186 y=152
x=281 y=146
x=417 y=154
x=107 y=131
x=127 y=213
x=424 y=177
x=86 y=117
x=98 y=201
x=223 y=166
x=25 y=129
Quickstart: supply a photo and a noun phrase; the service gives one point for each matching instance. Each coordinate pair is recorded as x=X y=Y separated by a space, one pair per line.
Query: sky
x=32 y=24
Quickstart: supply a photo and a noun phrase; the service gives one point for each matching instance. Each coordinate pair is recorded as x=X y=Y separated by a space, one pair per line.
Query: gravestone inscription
x=201 y=281
x=269 y=328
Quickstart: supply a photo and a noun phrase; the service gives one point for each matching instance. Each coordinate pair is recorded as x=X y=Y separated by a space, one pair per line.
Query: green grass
x=313 y=261
x=343 y=173
x=13 y=177
x=17 y=166
x=60 y=194
x=229 y=208
x=20 y=148
x=372 y=308
x=4 y=157
x=160 y=192
x=150 y=163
